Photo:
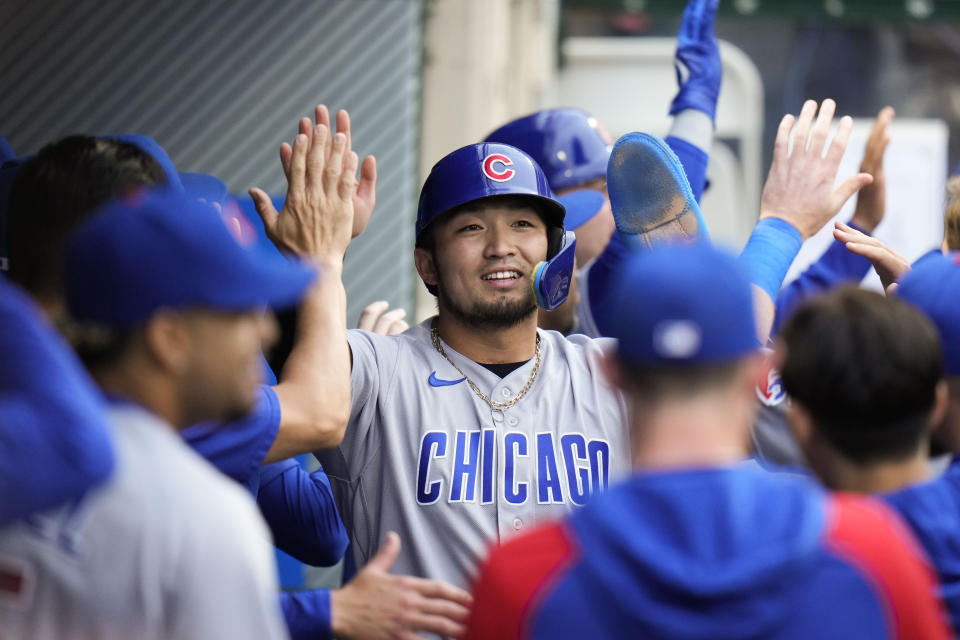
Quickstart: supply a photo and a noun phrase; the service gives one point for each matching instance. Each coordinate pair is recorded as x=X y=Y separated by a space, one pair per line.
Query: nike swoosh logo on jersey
x=439 y=382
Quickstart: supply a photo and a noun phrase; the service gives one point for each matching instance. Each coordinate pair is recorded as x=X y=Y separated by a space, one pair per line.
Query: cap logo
x=677 y=339
x=770 y=388
x=495 y=167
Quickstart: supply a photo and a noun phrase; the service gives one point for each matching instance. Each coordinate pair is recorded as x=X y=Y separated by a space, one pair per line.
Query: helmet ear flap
x=555 y=237
x=551 y=279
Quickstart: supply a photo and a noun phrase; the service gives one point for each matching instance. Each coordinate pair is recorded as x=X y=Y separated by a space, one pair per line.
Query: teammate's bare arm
x=800 y=186
x=316 y=223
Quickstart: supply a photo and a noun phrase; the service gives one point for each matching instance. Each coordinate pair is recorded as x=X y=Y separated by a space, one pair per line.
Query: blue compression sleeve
x=300 y=510
x=769 y=253
x=307 y=614
x=694 y=161
x=55 y=443
x=835 y=267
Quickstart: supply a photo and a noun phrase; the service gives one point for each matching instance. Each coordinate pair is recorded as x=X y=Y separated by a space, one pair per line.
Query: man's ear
x=941 y=400
x=426 y=266
x=801 y=424
x=168 y=341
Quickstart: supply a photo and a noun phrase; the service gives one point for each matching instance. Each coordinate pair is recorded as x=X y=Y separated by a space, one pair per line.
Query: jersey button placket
x=512 y=421
x=505 y=392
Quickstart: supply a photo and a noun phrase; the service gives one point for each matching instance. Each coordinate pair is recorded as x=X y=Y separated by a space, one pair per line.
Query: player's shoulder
x=415 y=338
x=159 y=464
x=575 y=346
x=514 y=574
x=867 y=533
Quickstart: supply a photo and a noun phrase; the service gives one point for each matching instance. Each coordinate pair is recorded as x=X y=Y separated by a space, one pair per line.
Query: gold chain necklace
x=435 y=335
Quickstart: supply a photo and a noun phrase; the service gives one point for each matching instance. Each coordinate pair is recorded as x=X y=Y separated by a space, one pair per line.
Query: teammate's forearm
x=695 y=127
x=314 y=388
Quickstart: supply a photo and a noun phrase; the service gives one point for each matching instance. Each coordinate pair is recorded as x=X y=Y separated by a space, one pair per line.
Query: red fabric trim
x=514 y=578
x=11 y=580
x=869 y=536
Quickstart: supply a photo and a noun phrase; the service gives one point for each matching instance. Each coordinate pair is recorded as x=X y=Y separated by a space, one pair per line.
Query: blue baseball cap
x=568 y=144
x=6 y=151
x=204 y=186
x=933 y=287
x=683 y=304
x=198 y=185
x=581 y=206
x=8 y=172
x=163 y=249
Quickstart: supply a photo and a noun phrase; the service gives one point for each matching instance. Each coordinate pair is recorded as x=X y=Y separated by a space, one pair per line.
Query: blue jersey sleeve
x=835 y=267
x=307 y=614
x=299 y=508
x=238 y=449
x=694 y=161
x=54 y=440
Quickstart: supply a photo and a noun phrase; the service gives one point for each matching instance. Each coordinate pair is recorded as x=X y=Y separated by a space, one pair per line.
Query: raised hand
x=697 y=61
x=365 y=197
x=800 y=186
x=375 y=317
x=889 y=264
x=377 y=605
x=872 y=199
x=318 y=213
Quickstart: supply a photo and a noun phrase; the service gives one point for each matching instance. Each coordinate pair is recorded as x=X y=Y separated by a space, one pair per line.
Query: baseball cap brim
x=203 y=186
x=6 y=151
x=581 y=206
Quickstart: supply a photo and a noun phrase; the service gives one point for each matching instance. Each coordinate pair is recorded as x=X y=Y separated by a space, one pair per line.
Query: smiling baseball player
x=474 y=424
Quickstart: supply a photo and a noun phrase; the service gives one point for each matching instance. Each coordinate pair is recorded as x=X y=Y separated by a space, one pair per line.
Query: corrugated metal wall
x=221 y=84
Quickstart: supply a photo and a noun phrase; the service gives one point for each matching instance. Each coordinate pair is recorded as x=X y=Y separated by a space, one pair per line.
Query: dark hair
x=866 y=367
x=654 y=382
x=97 y=346
x=56 y=190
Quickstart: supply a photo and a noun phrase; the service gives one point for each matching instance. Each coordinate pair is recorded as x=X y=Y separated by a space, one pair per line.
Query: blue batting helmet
x=481 y=171
x=566 y=143
x=487 y=170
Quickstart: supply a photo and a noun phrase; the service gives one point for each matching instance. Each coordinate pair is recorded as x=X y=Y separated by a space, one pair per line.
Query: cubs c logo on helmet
x=496 y=167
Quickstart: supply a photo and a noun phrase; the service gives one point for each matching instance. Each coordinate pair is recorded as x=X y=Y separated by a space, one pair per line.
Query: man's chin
x=500 y=312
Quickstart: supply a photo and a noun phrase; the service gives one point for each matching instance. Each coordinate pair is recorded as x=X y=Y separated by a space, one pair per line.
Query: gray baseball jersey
x=426 y=457
x=167 y=548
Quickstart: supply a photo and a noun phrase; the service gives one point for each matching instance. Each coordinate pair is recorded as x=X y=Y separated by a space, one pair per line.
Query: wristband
x=769 y=253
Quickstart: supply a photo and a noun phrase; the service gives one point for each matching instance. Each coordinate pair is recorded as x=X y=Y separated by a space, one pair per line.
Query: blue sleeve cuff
x=307 y=614
x=769 y=253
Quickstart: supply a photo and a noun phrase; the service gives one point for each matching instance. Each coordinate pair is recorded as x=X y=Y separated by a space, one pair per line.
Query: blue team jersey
x=302 y=515
x=712 y=554
x=54 y=440
x=932 y=510
x=238 y=449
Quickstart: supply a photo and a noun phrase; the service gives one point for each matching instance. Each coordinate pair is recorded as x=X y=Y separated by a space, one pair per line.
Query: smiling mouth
x=502 y=275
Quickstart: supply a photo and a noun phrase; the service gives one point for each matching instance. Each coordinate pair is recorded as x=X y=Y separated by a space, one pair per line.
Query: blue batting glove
x=698 y=60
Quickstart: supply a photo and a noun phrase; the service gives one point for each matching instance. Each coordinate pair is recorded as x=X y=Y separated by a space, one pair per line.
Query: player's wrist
x=339 y=619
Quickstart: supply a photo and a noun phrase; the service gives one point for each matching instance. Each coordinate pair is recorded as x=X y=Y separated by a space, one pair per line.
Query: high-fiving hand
x=800 y=186
x=318 y=214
